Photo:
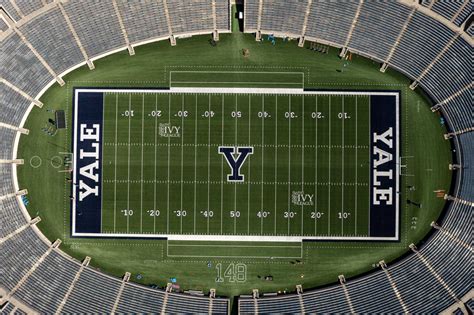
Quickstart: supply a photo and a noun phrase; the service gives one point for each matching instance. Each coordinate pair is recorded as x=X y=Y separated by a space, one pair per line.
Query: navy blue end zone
x=384 y=179
x=87 y=178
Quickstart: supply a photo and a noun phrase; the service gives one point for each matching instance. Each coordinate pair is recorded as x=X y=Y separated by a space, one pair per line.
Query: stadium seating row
x=425 y=280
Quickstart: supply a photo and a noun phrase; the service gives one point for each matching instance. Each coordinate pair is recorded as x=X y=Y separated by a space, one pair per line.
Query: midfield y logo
x=235 y=157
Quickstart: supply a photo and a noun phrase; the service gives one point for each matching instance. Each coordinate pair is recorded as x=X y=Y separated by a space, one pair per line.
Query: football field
x=235 y=164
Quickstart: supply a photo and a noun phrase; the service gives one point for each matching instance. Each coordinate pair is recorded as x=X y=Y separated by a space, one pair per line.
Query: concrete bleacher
x=46 y=286
x=367 y=292
x=7 y=308
x=96 y=24
x=143 y=20
x=451 y=73
x=94 y=292
x=139 y=299
x=384 y=22
x=7 y=136
x=454 y=10
x=251 y=9
x=458 y=111
x=21 y=67
x=190 y=16
x=329 y=299
x=6 y=179
x=423 y=40
x=12 y=106
x=53 y=40
x=223 y=18
x=11 y=11
x=284 y=17
x=18 y=254
x=331 y=21
x=28 y=6
x=3 y=26
x=11 y=217
x=467 y=147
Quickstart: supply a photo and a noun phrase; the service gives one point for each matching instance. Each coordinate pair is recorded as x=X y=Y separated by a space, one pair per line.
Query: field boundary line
x=128 y=166
x=115 y=161
x=195 y=162
x=155 y=166
x=329 y=170
x=141 y=170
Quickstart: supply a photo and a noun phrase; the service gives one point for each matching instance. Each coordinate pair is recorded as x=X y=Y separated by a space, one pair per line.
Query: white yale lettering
x=89 y=171
x=382 y=157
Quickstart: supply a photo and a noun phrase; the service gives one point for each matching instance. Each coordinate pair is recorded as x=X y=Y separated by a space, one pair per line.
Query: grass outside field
x=322 y=261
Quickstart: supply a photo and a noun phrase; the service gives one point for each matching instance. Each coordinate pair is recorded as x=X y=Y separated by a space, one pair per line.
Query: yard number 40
x=233 y=273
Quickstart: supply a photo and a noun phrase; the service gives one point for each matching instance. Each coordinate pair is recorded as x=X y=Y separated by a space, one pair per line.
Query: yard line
x=302 y=166
x=208 y=160
x=168 y=180
x=276 y=163
x=141 y=182
x=263 y=151
x=357 y=166
x=222 y=162
x=329 y=171
x=289 y=161
x=128 y=174
x=235 y=185
x=115 y=163
x=154 y=182
x=195 y=159
x=248 y=183
x=316 y=167
x=342 y=188
x=182 y=136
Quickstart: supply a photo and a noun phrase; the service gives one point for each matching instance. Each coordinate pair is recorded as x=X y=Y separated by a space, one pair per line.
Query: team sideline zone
x=239 y=164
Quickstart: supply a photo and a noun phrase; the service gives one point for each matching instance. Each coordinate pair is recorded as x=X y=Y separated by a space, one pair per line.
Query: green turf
x=155 y=184
x=428 y=156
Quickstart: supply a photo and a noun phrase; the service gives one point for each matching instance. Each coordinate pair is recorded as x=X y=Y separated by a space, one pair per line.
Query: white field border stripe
x=397 y=169
x=250 y=238
x=246 y=91
x=179 y=90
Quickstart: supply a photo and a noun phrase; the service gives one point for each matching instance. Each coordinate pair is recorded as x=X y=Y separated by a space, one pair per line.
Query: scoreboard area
x=239 y=164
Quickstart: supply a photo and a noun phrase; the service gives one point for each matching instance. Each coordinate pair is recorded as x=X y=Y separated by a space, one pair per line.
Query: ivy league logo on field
x=235 y=157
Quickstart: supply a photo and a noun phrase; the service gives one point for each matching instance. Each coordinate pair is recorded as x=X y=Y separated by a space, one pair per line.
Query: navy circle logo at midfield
x=235 y=157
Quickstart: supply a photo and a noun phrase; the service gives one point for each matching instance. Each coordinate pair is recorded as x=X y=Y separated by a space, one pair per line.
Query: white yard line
x=342 y=170
x=316 y=168
x=329 y=171
x=128 y=164
x=276 y=164
x=302 y=165
x=370 y=158
x=141 y=183
x=208 y=161
x=289 y=162
x=168 y=180
x=235 y=185
x=182 y=155
x=357 y=166
x=154 y=182
x=115 y=162
x=102 y=169
x=195 y=160
x=263 y=151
